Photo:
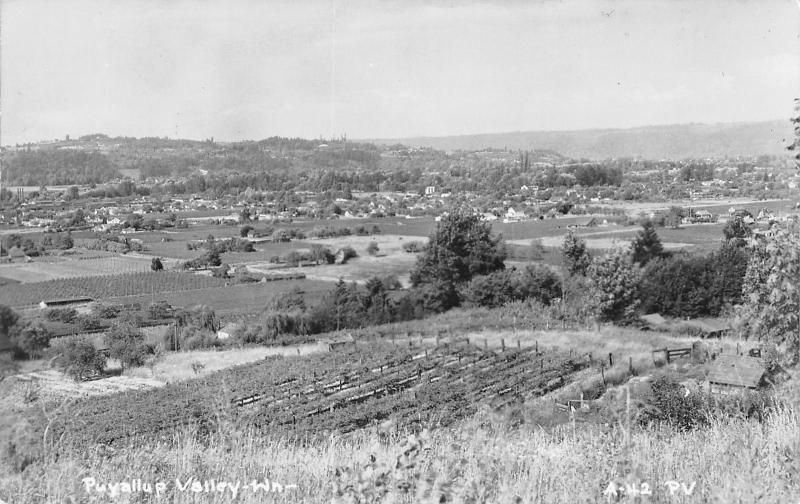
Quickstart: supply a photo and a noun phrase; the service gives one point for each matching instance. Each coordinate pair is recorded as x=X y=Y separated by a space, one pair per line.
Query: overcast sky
x=253 y=69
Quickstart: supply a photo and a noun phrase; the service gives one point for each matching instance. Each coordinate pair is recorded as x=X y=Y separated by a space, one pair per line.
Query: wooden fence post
x=485 y=344
x=537 y=347
x=502 y=345
x=519 y=347
x=610 y=360
x=630 y=365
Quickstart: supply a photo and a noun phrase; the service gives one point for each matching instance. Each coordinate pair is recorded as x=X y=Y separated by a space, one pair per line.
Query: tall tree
x=771 y=309
x=461 y=247
x=647 y=245
x=576 y=257
x=616 y=280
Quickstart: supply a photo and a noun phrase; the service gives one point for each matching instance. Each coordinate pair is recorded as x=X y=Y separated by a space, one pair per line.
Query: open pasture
x=391 y=259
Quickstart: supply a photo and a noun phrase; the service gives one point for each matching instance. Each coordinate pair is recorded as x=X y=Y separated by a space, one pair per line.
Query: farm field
x=177 y=366
x=106 y=286
x=339 y=391
x=41 y=271
x=234 y=299
x=705 y=237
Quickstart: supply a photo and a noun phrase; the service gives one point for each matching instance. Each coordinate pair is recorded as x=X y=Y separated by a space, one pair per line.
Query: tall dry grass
x=482 y=460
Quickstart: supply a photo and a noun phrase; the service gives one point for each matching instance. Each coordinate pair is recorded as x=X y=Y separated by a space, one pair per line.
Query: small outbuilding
x=62 y=303
x=652 y=322
x=732 y=373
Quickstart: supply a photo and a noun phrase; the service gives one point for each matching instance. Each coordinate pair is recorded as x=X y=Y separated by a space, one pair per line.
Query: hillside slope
x=650 y=142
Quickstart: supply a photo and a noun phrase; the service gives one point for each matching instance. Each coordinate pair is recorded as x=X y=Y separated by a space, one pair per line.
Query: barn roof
x=737 y=370
x=709 y=325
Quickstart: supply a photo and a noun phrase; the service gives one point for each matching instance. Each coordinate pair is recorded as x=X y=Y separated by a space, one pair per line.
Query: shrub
x=160 y=310
x=540 y=283
x=347 y=253
x=89 y=322
x=413 y=246
x=8 y=366
x=127 y=344
x=156 y=264
x=372 y=248
x=66 y=315
x=76 y=355
x=491 y=290
x=668 y=403
x=289 y=301
x=107 y=311
x=197 y=339
x=32 y=340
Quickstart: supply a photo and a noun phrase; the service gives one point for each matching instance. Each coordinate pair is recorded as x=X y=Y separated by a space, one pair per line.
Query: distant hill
x=651 y=142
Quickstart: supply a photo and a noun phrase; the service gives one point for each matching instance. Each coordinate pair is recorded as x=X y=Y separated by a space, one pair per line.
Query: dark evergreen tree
x=647 y=245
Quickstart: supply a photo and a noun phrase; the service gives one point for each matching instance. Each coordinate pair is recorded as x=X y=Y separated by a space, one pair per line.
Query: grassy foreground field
x=481 y=460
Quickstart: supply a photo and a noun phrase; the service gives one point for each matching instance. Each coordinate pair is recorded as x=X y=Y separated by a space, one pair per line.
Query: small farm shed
x=652 y=322
x=61 y=303
x=731 y=373
x=227 y=331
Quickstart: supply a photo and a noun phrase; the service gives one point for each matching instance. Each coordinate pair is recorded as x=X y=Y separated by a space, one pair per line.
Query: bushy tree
x=322 y=254
x=32 y=340
x=8 y=319
x=674 y=217
x=494 y=289
x=461 y=247
x=615 y=278
x=76 y=356
x=243 y=232
x=540 y=283
x=156 y=264
x=694 y=285
x=576 y=257
x=127 y=344
x=737 y=229
x=771 y=292
x=647 y=245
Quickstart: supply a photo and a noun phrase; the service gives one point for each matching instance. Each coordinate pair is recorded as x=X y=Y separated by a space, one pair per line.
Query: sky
x=251 y=69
